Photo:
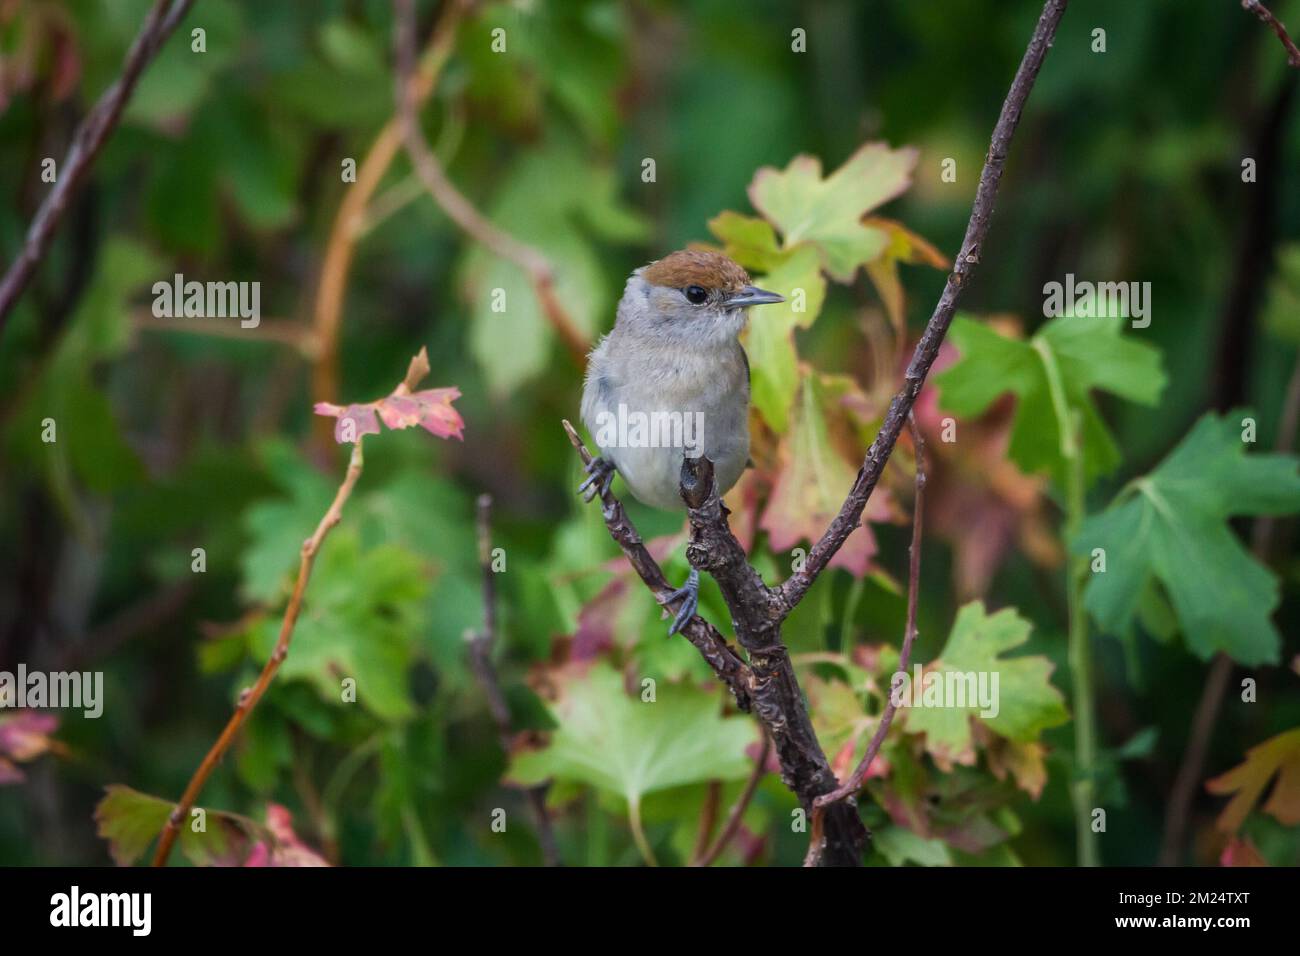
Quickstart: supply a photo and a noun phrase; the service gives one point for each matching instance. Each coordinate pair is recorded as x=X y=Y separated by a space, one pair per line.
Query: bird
x=671 y=380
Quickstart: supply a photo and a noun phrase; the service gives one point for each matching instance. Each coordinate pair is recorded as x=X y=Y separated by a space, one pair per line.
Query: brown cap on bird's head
x=707 y=276
x=688 y=267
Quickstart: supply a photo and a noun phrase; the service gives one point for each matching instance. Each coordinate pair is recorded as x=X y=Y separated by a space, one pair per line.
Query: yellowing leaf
x=813 y=479
x=1025 y=702
x=748 y=240
x=1278 y=756
x=904 y=246
x=769 y=343
x=130 y=821
x=828 y=212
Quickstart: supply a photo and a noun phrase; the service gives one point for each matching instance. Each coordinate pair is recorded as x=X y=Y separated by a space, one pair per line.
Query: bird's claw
x=600 y=475
x=689 y=595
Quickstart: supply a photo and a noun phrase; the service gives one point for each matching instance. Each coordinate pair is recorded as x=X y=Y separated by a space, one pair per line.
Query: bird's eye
x=695 y=294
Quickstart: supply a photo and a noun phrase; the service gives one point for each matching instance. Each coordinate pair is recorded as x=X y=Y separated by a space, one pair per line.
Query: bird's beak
x=752 y=295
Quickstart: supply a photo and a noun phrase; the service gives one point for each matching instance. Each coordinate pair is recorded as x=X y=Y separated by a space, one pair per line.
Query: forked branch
x=459 y=209
x=758 y=609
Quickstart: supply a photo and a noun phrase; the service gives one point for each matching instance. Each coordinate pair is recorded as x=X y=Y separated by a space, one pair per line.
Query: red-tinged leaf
x=598 y=621
x=354 y=421
x=976 y=498
x=742 y=501
x=430 y=409
x=660 y=548
x=437 y=414
x=813 y=479
x=25 y=735
x=1026 y=763
x=749 y=844
x=1278 y=756
x=1241 y=852
x=284 y=848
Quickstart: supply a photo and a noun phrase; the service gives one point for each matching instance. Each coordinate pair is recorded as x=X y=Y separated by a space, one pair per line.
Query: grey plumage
x=680 y=360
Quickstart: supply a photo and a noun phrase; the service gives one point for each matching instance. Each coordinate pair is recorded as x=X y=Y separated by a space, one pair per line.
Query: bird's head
x=692 y=296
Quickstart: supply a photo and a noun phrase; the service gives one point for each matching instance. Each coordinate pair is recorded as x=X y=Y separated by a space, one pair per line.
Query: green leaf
x=1171 y=526
x=180 y=77
x=278 y=527
x=130 y=821
x=1026 y=703
x=828 y=212
x=748 y=240
x=1060 y=366
x=625 y=746
x=551 y=199
x=901 y=846
x=361 y=618
x=89 y=446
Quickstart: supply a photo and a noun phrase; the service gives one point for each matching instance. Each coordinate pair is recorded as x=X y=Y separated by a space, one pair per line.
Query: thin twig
x=757 y=610
x=713 y=647
x=460 y=210
x=248 y=698
x=480 y=655
x=854 y=783
x=927 y=349
x=339 y=249
x=301 y=338
x=1274 y=24
x=87 y=140
x=737 y=811
x=778 y=701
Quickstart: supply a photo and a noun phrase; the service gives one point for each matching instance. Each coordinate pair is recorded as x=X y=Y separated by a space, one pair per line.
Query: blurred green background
x=227 y=166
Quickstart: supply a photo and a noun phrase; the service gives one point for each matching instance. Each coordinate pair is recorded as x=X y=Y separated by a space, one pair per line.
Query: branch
x=713 y=647
x=249 y=697
x=1274 y=24
x=854 y=783
x=778 y=700
x=459 y=209
x=328 y=310
x=758 y=610
x=972 y=248
x=480 y=658
x=87 y=140
x=732 y=826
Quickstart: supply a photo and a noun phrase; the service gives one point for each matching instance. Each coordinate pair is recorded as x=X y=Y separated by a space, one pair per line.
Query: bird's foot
x=600 y=475
x=689 y=595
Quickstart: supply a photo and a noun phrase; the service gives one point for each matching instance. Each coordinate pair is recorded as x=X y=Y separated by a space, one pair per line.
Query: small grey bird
x=672 y=380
